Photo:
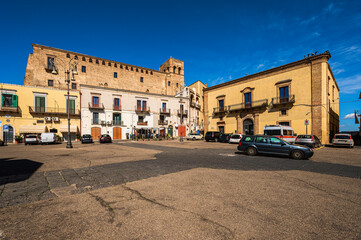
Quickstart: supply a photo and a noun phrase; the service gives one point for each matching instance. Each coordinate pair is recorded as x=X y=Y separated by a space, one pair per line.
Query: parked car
x=283 y=132
x=86 y=138
x=212 y=136
x=235 y=138
x=2 y=143
x=194 y=136
x=253 y=145
x=311 y=141
x=343 y=139
x=47 y=138
x=31 y=139
x=225 y=137
x=105 y=138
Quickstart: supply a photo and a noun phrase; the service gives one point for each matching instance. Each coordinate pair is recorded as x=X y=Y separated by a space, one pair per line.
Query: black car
x=86 y=138
x=105 y=138
x=273 y=145
x=212 y=136
x=225 y=137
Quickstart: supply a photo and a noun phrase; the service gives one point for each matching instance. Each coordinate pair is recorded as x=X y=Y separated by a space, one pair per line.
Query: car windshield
x=342 y=137
x=305 y=136
x=86 y=136
x=272 y=132
x=105 y=135
x=31 y=136
x=235 y=136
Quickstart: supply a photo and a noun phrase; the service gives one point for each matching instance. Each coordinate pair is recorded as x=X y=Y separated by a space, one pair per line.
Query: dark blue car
x=273 y=145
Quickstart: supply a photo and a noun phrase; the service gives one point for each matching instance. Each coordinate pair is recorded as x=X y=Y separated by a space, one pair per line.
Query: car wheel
x=298 y=155
x=216 y=139
x=251 y=151
x=207 y=140
x=193 y=139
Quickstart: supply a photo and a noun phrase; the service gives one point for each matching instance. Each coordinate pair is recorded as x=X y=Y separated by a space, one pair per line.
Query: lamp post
x=72 y=68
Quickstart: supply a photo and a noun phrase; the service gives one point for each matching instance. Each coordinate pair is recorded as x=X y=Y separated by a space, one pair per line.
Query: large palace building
x=302 y=94
x=95 y=71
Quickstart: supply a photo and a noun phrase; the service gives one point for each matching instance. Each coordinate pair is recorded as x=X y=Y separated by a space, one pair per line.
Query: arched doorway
x=248 y=127
x=8 y=136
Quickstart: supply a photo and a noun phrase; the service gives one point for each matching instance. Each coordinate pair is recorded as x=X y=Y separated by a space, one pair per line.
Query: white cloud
x=219 y=80
x=338 y=71
x=309 y=20
x=260 y=66
x=350 y=84
x=349 y=116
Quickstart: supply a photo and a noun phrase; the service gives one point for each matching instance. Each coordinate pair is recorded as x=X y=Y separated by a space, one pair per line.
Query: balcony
x=142 y=123
x=219 y=111
x=143 y=110
x=165 y=111
x=9 y=109
x=248 y=106
x=49 y=68
x=195 y=105
x=53 y=111
x=98 y=106
x=162 y=122
x=283 y=100
x=183 y=113
x=117 y=108
x=117 y=123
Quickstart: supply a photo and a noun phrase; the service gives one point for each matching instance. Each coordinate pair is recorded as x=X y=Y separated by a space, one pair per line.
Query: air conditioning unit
x=55 y=119
x=48 y=119
x=109 y=122
x=102 y=122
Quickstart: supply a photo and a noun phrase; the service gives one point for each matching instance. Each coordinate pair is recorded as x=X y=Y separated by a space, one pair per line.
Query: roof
x=259 y=74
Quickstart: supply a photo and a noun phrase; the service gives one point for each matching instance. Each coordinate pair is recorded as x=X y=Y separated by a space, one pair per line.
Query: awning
x=32 y=129
x=64 y=128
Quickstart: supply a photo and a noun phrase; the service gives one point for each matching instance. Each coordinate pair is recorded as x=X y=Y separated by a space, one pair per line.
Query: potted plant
x=78 y=137
x=18 y=139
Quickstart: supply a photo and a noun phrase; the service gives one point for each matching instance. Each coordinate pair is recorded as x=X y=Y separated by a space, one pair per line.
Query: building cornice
x=307 y=60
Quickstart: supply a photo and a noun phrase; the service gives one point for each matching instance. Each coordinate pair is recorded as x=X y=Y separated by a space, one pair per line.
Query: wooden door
x=183 y=131
x=117 y=133
x=95 y=133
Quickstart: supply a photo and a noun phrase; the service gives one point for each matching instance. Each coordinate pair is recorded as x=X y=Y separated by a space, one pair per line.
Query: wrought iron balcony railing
x=184 y=113
x=117 y=108
x=218 y=110
x=53 y=110
x=195 y=105
x=162 y=122
x=117 y=122
x=9 y=109
x=142 y=109
x=164 y=111
x=249 y=105
x=96 y=105
x=283 y=100
x=142 y=123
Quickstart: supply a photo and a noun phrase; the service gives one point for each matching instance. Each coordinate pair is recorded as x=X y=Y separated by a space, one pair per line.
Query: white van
x=280 y=131
x=47 y=138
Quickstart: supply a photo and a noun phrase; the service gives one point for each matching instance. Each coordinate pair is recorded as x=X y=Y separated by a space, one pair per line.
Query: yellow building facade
x=285 y=95
x=34 y=110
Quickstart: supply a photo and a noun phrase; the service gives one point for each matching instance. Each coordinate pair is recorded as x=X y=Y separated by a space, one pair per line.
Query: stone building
x=285 y=95
x=101 y=72
x=196 y=106
x=122 y=113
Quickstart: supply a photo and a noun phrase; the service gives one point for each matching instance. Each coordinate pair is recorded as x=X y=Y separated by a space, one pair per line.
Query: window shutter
x=15 y=101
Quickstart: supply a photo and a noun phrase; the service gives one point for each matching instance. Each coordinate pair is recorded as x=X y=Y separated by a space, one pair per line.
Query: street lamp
x=71 y=67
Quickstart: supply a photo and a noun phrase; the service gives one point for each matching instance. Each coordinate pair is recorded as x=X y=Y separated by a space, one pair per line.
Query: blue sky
x=218 y=40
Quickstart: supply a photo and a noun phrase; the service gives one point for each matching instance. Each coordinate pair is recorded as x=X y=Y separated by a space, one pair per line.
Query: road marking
x=227 y=154
x=319 y=148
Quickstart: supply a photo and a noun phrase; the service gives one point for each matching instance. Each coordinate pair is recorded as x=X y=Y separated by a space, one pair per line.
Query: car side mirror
x=282 y=143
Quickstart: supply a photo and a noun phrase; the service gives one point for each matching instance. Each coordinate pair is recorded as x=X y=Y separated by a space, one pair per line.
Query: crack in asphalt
x=201 y=217
x=105 y=205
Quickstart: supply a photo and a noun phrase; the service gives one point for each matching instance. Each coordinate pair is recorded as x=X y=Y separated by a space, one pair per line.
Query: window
x=140 y=118
x=83 y=59
x=151 y=72
x=333 y=93
x=95 y=118
x=51 y=83
x=275 y=132
x=275 y=141
x=177 y=84
x=144 y=105
x=121 y=66
x=141 y=70
x=261 y=140
x=162 y=118
x=83 y=69
x=284 y=94
x=248 y=139
x=137 y=70
x=179 y=70
x=146 y=71
x=117 y=119
x=76 y=57
x=39 y=104
x=115 y=74
x=9 y=100
x=116 y=104
x=131 y=69
x=174 y=69
x=141 y=79
x=71 y=103
x=168 y=83
x=115 y=65
x=51 y=63
x=103 y=63
x=221 y=104
x=90 y=60
x=139 y=104
x=95 y=101
x=126 y=67
x=97 y=61
x=248 y=99
x=164 y=107
x=68 y=55
x=284 y=123
x=283 y=112
x=73 y=85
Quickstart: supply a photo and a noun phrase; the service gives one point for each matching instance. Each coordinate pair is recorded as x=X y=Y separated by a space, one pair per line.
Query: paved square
x=172 y=190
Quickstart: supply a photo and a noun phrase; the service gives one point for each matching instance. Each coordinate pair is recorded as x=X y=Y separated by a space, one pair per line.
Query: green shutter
x=15 y=101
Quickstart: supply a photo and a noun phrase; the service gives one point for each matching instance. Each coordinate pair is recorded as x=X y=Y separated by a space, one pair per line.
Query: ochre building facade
x=285 y=95
x=95 y=71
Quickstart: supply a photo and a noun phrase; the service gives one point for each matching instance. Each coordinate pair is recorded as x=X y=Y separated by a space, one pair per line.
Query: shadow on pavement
x=16 y=170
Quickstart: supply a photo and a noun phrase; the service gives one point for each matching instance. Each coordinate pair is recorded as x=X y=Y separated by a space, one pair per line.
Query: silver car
x=311 y=141
x=31 y=139
x=343 y=139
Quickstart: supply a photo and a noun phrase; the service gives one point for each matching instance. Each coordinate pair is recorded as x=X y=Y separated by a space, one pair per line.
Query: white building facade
x=123 y=113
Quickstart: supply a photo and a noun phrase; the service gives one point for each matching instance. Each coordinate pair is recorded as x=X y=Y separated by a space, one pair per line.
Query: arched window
x=151 y=72
x=174 y=69
x=76 y=57
x=141 y=71
x=146 y=71
x=179 y=70
x=115 y=65
x=131 y=69
x=97 y=61
x=103 y=63
x=90 y=60
x=109 y=64
x=83 y=59
x=68 y=55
